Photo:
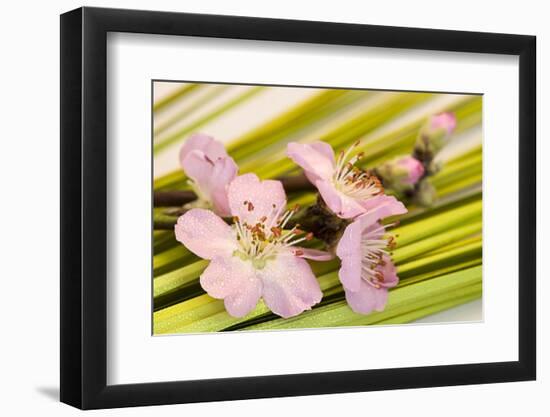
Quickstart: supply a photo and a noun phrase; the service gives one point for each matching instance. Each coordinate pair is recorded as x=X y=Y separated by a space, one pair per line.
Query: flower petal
x=331 y=197
x=289 y=286
x=317 y=159
x=389 y=273
x=243 y=302
x=340 y=204
x=349 y=252
x=225 y=276
x=199 y=168
x=251 y=199
x=223 y=172
x=367 y=299
x=205 y=234
x=313 y=254
x=380 y=207
x=235 y=281
x=211 y=148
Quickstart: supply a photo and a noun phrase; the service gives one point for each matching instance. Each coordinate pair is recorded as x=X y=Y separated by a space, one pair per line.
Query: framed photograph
x=259 y=208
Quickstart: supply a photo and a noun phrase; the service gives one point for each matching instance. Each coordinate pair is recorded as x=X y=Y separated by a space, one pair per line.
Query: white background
x=30 y=221
x=134 y=356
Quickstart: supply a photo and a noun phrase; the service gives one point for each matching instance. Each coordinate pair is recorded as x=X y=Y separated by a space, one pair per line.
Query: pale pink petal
x=211 y=148
x=313 y=254
x=316 y=159
x=380 y=207
x=234 y=281
x=367 y=298
x=199 y=169
x=251 y=199
x=349 y=252
x=289 y=286
x=224 y=171
x=389 y=273
x=331 y=197
x=243 y=302
x=225 y=276
x=340 y=204
x=205 y=234
x=351 y=208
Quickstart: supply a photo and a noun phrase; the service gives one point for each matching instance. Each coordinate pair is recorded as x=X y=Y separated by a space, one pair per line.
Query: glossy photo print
x=281 y=207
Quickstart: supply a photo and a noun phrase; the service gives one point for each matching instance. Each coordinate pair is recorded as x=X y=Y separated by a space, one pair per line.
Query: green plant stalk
x=458 y=293
x=451 y=179
x=457 y=266
x=459 y=158
x=400 y=300
x=176 y=95
x=402 y=253
x=377 y=146
x=443 y=203
x=463 y=108
x=420 y=247
x=417 y=314
x=176 y=315
x=450 y=171
x=273 y=148
x=207 y=309
x=345 y=134
x=189 y=274
x=203 y=120
x=447 y=220
x=465 y=252
x=450 y=168
x=172 y=258
x=288 y=122
x=346 y=129
x=308 y=198
x=183 y=276
x=187 y=111
x=461 y=184
x=408 y=233
x=339 y=294
x=162 y=240
x=458 y=244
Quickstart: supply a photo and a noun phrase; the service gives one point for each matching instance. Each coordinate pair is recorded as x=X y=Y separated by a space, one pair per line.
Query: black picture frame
x=84 y=207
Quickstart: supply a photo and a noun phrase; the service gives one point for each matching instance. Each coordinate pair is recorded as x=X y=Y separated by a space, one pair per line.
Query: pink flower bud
x=413 y=168
x=401 y=173
x=434 y=135
x=445 y=121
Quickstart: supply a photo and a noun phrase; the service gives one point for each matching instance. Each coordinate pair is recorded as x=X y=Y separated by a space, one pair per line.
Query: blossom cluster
x=242 y=225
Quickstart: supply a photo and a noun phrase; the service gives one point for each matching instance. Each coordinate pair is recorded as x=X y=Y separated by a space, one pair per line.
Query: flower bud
x=434 y=134
x=401 y=173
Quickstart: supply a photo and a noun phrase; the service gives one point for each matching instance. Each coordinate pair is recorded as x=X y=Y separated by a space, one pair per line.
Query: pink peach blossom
x=210 y=169
x=255 y=257
x=344 y=188
x=366 y=270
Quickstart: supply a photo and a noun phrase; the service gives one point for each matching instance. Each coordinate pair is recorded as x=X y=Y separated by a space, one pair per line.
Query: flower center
x=375 y=248
x=262 y=241
x=353 y=181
